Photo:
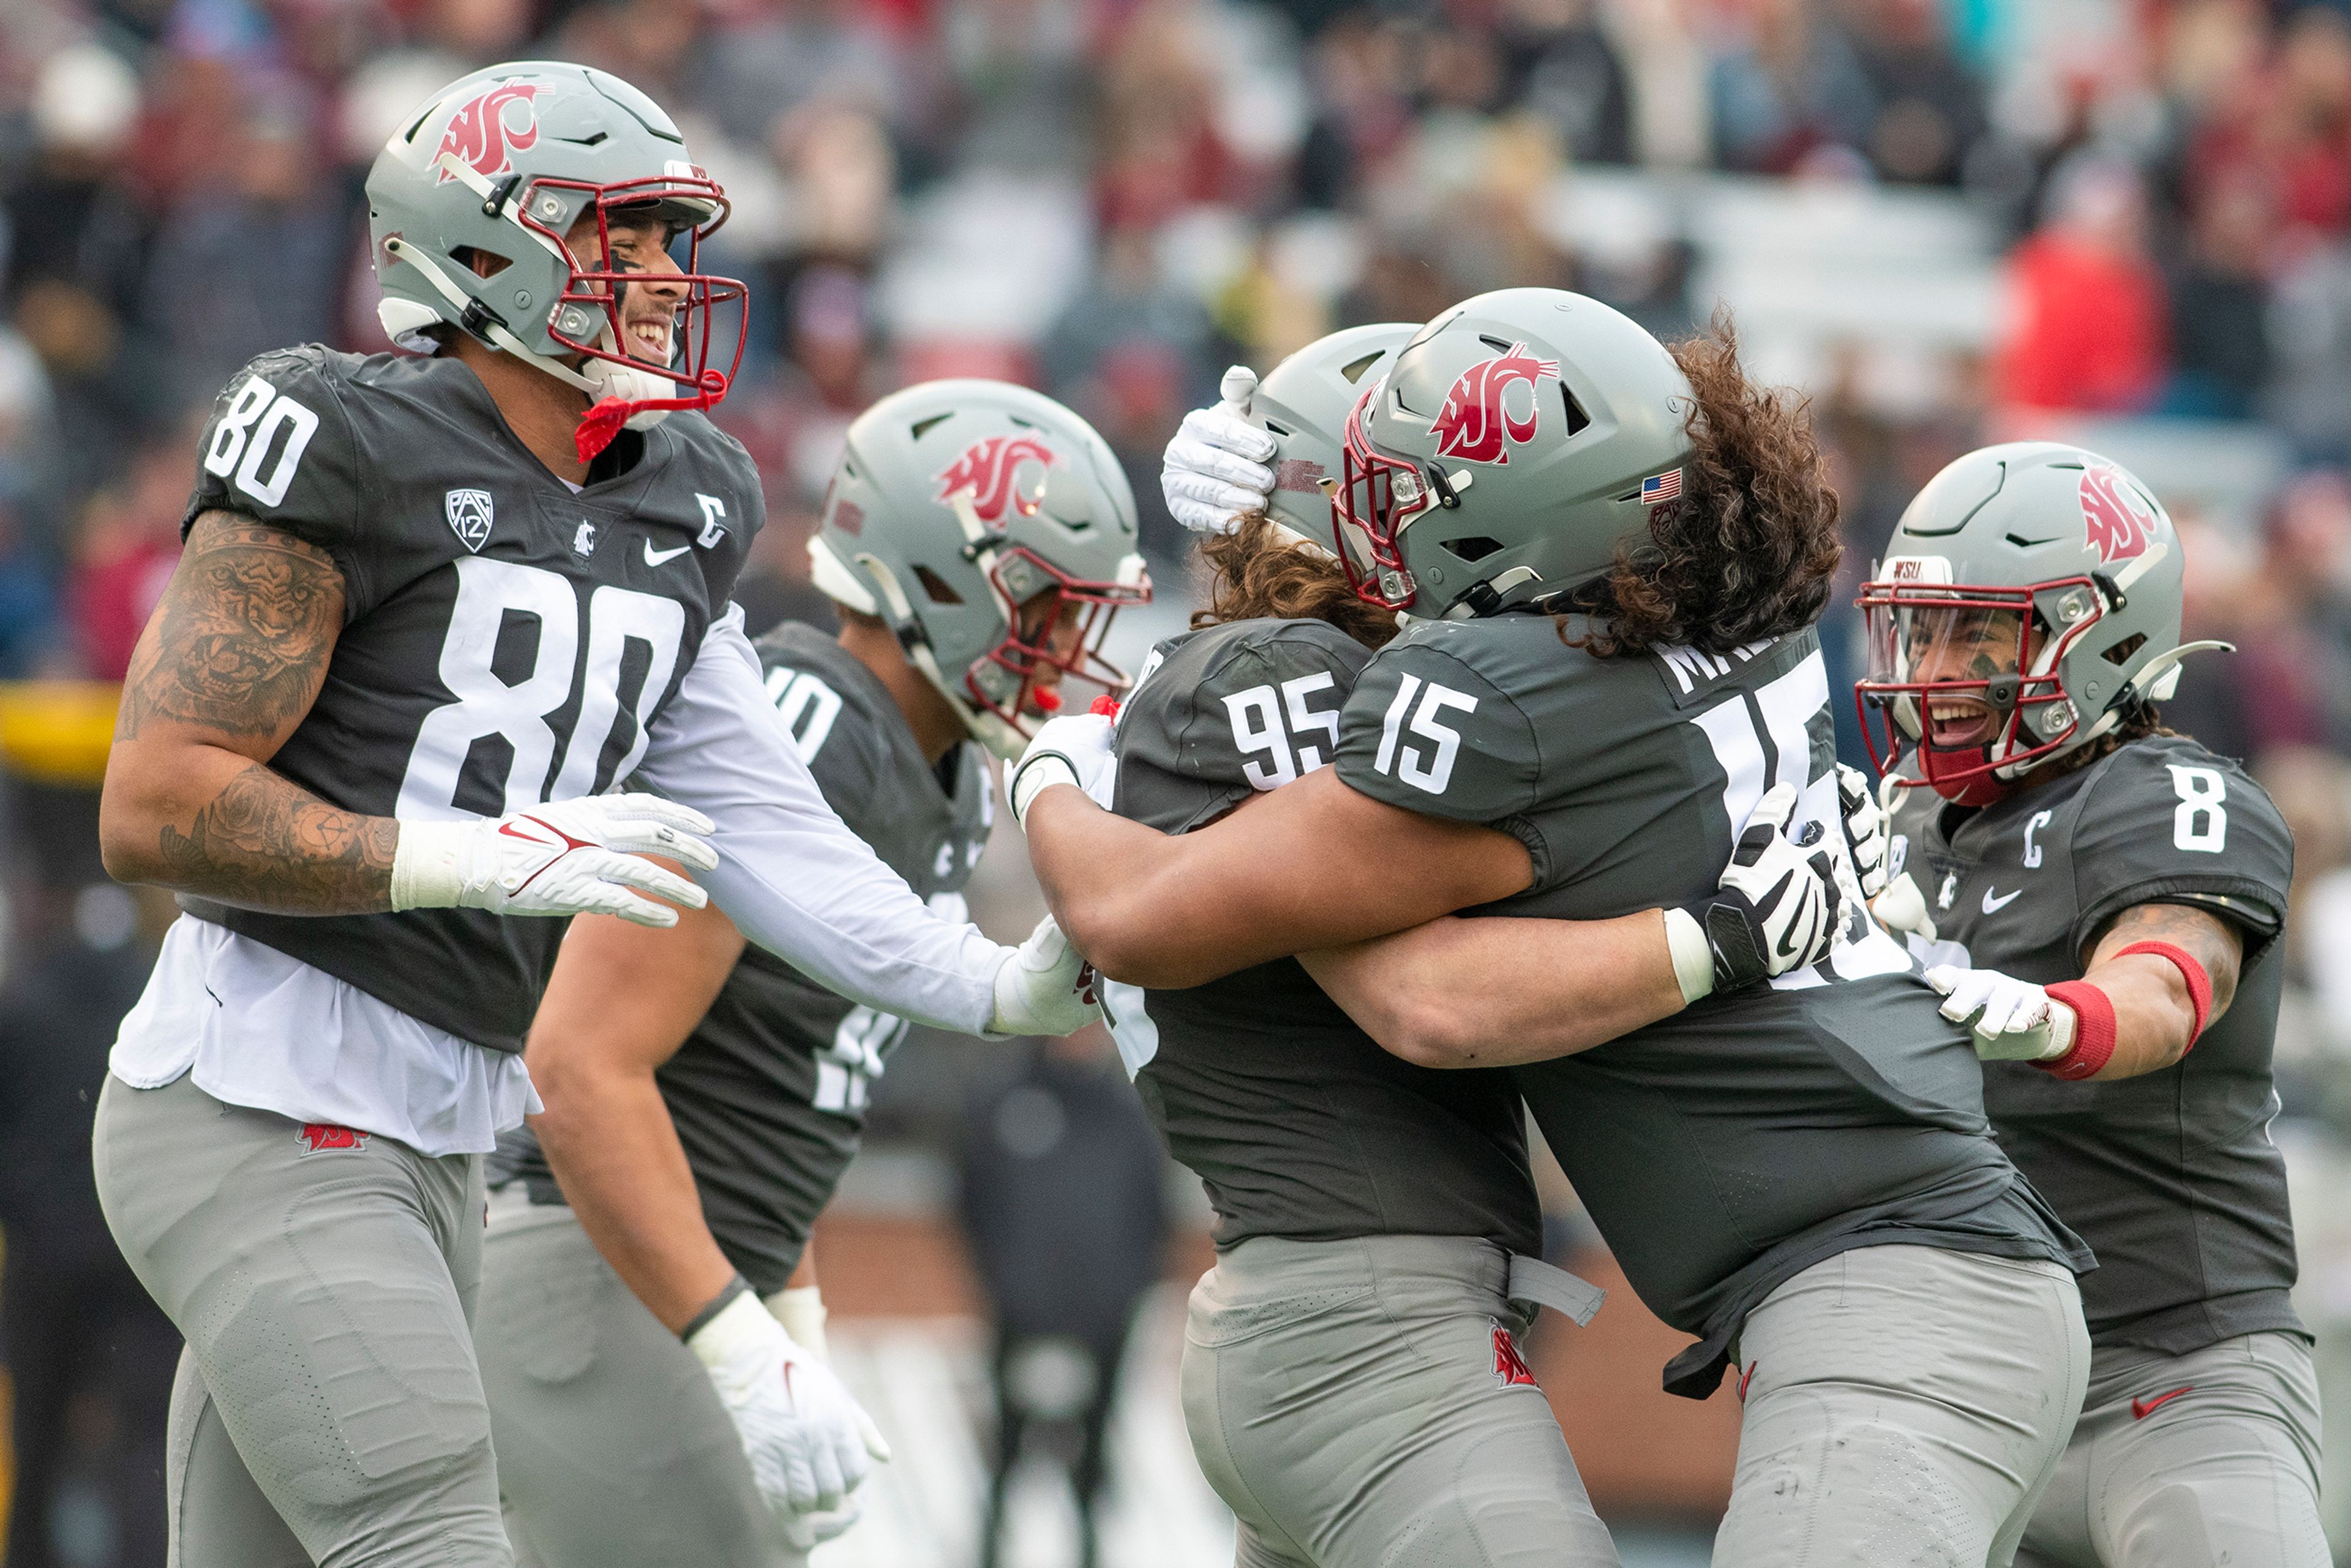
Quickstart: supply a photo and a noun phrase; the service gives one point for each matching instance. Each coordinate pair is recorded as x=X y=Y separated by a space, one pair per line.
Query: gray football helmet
x=995 y=532
x=2029 y=598
x=1303 y=403
x=503 y=163
x=1517 y=441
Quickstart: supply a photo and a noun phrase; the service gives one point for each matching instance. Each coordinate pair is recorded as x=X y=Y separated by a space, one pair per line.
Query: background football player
x=1376 y=1220
x=703 y=1098
x=1898 y=1300
x=2119 y=892
x=428 y=615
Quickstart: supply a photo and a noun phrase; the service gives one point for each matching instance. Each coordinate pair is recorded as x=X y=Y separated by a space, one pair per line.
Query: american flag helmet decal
x=1664 y=487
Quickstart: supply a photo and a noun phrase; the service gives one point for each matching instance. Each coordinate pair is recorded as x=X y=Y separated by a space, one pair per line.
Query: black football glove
x=1776 y=909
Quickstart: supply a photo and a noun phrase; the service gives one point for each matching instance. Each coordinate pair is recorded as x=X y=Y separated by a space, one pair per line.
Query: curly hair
x=1262 y=573
x=1748 y=551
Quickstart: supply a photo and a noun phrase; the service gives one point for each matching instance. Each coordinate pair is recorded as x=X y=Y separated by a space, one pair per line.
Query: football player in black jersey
x=433 y=610
x=703 y=1098
x=2102 y=899
x=1801 y=1175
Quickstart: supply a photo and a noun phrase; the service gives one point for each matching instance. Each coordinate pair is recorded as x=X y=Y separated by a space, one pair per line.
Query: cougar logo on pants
x=320 y=1137
x=1509 y=1365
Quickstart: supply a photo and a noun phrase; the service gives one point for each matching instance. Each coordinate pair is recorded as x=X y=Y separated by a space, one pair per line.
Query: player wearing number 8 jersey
x=1802 y=1175
x=2102 y=899
x=434 y=610
x=703 y=1098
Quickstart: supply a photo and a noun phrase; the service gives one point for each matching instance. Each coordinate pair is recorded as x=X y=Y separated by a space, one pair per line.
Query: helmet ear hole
x=2120 y=654
x=937 y=587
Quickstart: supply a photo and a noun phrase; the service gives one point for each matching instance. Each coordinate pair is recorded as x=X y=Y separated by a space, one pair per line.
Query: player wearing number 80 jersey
x=433 y=612
x=2103 y=900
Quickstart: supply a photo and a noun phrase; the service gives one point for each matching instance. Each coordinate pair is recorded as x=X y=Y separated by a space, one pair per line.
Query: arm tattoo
x=240 y=642
x=266 y=843
x=2207 y=938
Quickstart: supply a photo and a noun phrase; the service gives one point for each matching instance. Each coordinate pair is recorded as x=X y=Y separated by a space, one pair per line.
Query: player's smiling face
x=650 y=302
x=1967 y=643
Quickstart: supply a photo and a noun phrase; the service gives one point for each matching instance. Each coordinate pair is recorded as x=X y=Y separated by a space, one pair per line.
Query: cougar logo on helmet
x=2118 y=523
x=987 y=470
x=482 y=134
x=1473 y=421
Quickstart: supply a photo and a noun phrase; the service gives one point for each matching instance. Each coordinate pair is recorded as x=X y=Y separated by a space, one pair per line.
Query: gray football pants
x=1353 y=1403
x=1904 y=1405
x=2224 y=1473
x=613 y=1448
x=328 y=1408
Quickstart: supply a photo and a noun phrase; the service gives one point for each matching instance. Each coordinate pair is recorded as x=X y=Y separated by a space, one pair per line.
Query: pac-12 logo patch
x=989 y=469
x=1509 y=1365
x=323 y=1137
x=2119 y=524
x=1476 y=418
x=486 y=132
x=470 y=512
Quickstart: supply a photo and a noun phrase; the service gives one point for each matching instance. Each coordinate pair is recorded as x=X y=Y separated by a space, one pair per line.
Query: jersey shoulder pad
x=2163 y=817
x=1242 y=707
x=279 y=447
x=827 y=702
x=1440 y=722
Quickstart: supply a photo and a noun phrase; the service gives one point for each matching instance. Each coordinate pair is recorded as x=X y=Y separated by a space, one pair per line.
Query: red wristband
x=2199 y=984
x=2094 y=1030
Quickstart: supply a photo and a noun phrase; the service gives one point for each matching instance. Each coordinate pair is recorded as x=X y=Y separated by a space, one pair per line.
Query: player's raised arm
x=795 y=881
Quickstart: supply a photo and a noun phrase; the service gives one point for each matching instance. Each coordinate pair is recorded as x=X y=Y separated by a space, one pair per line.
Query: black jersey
x=768 y=1094
x=2171 y=1175
x=504 y=641
x=1297 y=1123
x=1754 y=1134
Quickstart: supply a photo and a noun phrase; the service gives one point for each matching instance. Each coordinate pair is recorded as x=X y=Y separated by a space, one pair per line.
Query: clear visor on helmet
x=1054 y=635
x=1378 y=497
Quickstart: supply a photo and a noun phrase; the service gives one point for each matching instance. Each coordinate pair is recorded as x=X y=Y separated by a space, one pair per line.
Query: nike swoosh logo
x=657 y=556
x=2142 y=1408
x=1994 y=905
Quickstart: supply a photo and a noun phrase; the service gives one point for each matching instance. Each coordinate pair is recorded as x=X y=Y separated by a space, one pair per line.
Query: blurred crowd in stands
x=1951 y=220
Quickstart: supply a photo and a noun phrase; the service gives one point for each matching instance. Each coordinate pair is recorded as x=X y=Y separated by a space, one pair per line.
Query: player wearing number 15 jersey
x=704 y=1098
x=434 y=609
x=2103 y=900
x=1800 y=1174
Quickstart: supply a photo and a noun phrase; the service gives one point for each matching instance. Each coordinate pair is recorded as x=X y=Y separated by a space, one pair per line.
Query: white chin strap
x=837 y=581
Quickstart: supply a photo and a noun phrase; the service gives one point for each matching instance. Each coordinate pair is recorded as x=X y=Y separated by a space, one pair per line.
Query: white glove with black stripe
x=1777 y=907
x=1865 y=829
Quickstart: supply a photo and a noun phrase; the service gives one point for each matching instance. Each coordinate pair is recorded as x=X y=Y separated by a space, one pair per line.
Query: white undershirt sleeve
x=790 y=874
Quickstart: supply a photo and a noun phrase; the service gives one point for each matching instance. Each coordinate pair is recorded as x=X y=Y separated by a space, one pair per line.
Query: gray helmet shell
x=470 y=169
x=1303 y=403
x=2068 y=536
x=955 y=502
x=1515 y=442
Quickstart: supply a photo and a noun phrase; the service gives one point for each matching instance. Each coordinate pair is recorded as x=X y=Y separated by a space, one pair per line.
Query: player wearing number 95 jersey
x=2102 y=901
x=1800 y=1173
x=436 y=617
x=704 y=1098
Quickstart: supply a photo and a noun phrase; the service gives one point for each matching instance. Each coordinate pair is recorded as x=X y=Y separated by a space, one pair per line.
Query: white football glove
x=1865 y=829
x=1776 y=909
x=800 y=1309
x=2012 y=1019
x=1078 y=748
x=580 y=856
x=1043 y=987
x=1216 y=466
x=809 y=1443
